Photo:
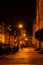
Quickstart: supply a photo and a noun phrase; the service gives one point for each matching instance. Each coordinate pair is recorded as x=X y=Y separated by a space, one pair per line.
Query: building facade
x=39 y=22
x=5 y=38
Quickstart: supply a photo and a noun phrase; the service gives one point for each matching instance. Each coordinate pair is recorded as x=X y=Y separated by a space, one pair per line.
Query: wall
x=39 y=22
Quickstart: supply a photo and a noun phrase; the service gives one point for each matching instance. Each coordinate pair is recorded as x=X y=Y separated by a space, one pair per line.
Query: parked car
x=8 y=49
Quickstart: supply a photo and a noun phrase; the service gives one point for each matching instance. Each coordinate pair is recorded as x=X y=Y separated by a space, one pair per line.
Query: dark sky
x=14 y=12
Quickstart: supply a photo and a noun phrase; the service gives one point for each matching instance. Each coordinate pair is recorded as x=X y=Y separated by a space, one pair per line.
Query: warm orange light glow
x=15 y=40
x=2 y=38
x=20 y=26
x=24 y=35
x=26 y=39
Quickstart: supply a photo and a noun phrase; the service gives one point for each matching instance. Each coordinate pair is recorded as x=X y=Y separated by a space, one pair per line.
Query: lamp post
x=20 y=27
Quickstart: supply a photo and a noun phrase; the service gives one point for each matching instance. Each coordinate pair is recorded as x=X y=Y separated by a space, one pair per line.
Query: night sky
x=15 y=12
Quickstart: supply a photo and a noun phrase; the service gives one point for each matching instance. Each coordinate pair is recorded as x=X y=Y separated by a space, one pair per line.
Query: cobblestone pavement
x=25 y=56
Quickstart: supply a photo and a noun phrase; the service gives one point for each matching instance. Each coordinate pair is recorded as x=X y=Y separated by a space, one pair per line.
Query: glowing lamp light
x=26 y=39
x=20 y=26
x=15 y=40
x=24 y=35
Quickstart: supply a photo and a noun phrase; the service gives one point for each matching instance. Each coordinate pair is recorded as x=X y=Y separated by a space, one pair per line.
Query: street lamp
x=20 y=26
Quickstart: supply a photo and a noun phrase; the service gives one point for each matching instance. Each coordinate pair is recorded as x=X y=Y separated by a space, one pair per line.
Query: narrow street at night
x=25 y=56
x=21 y=33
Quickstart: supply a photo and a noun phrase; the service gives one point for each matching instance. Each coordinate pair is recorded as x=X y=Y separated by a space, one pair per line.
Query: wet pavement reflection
x=25 y=56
